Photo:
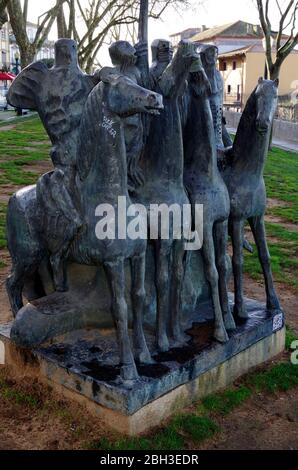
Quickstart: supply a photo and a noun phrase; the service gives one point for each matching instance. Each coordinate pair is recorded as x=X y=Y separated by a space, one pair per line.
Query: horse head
x=266 y=95
x=124 y=97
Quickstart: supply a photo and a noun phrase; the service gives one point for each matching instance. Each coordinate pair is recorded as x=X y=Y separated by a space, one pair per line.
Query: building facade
x=47 y=51
x=4 y=48
x=185 y=34
x=242 y=61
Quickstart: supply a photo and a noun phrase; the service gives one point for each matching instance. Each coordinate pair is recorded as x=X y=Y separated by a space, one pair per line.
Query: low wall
x=282 y=130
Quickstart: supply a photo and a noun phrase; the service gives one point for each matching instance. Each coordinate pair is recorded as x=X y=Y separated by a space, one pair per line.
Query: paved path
x=7 y=115
x=11 y=117
x=290 y=146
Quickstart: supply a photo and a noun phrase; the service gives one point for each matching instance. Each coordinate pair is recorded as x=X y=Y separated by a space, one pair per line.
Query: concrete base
x=83 y=366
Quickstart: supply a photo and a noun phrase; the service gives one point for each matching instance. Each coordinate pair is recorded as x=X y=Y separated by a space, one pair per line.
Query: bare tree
x=284 y=44
x=102 y=21
x=18 y=19
x=3 y=13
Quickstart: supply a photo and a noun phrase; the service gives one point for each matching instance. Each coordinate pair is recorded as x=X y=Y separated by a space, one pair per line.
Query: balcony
x=232 y=100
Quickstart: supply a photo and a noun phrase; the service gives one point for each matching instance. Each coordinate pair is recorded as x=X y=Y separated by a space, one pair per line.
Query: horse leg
x=141 y=352
x=258 y=229
x=14 y=286
x=237 y=261
x=162 y=287
x=58 y=264
x=115 y=275
x=176 y=292
x=212 y=277
x=220 y=244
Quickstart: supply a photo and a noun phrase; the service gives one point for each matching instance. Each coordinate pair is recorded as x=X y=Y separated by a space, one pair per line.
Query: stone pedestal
x=83 y=366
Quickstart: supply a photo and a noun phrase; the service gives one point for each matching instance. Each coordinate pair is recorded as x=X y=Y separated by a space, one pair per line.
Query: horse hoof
x=163 y=344
x=144 y=358
x=229 y=321
x=221 y=335
x=129 y=372
x=180 y=339
x=240 y=312
x=61 y=289
x=274 y=306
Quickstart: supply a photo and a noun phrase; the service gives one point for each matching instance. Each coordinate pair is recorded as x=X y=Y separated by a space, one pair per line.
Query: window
x=222 y=66
x=238 y=92
x=229 y=89
x=3 y=59
x=234 y=64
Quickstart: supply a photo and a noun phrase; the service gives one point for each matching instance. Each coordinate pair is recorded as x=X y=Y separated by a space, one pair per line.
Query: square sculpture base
x=83 y=366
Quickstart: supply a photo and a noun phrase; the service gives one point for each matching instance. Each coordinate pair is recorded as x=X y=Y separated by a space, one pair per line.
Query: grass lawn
x=19 y=148
x=281 y=177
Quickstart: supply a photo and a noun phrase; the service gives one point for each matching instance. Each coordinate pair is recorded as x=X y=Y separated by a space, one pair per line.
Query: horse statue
x=205 y=186
x=162 y=165
x=245 y=182
x=102 y=178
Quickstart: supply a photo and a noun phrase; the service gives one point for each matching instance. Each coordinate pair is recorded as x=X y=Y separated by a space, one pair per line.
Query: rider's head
x=66 y=52
x=209 y=55
x=122 y=53
x=162 y=51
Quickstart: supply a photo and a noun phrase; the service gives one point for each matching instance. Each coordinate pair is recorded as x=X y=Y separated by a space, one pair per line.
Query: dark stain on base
x=152 y=370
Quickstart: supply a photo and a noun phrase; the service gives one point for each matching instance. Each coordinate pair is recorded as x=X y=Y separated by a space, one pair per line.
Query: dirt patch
x=277 y=220
x=272 y=203
x=40 y=168
x=8 y=128
x=5 y=312
x=39 y=142
x=51 y=423
x=265 y=422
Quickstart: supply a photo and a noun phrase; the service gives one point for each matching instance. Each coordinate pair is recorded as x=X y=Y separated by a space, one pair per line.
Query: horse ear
x=108 y=74
x=276 y=81
x=261 y=79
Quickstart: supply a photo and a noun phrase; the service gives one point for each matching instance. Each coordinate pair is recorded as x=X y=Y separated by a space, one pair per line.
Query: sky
x=209 y=13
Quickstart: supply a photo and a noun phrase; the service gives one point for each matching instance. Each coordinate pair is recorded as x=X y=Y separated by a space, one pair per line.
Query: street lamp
x=17 y=59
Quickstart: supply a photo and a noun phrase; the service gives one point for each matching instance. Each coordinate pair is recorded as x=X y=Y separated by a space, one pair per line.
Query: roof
x=233 y=52
x=188 y=30
x=235 y=29
x=212 y=32
x=230 y=52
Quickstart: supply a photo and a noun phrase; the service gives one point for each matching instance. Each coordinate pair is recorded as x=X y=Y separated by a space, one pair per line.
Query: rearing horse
x=245 y=182
x=102 y=169
x=205 y=186
x=163 y=172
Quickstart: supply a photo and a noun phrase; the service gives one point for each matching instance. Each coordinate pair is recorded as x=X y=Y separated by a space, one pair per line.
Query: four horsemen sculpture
x=154 y=136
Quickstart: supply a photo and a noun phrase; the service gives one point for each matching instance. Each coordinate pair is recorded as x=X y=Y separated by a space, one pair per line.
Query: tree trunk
x=89 y=65
x=27 y=55
x=275 y=72
x=3 y=14
x=61 y=24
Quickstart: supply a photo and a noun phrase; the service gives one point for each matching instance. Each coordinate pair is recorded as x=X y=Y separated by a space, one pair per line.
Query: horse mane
x=87 y=144
x=245 y=125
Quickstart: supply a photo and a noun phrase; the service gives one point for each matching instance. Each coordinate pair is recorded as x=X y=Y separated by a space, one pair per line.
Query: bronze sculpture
x=110 y=135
